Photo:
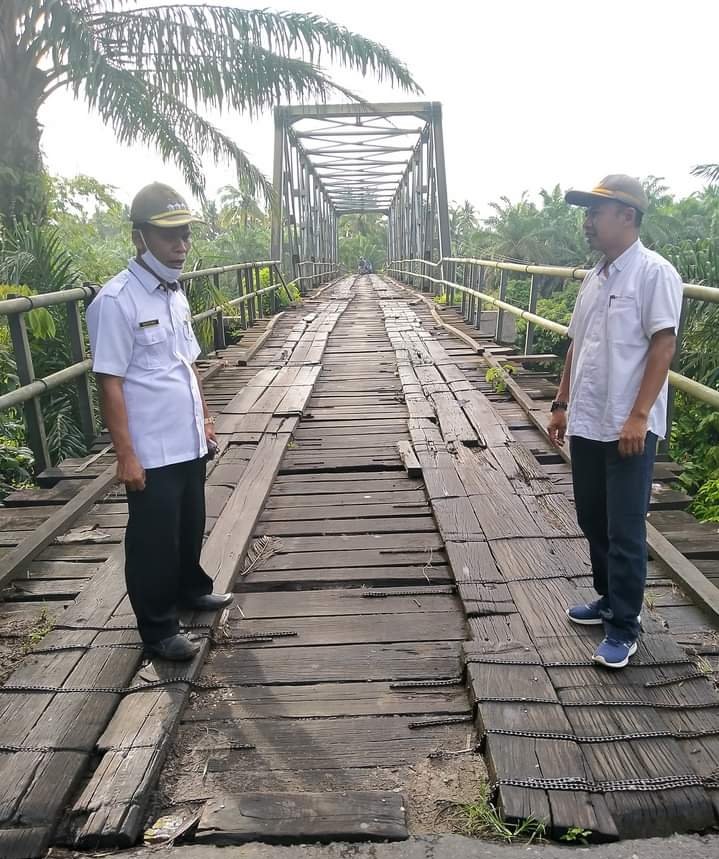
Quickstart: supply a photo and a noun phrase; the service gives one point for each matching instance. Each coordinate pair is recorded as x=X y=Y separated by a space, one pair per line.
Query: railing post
x=529 y=338
x=240 y=293
x=675 y=366
x=466 y=297
x=274 y=299
x=34 y=423
x=500 y=312
x=250 y=301
x=471 y=299
x=258 y=286
x=218 y=330
x=82 y=384
x=480 y=287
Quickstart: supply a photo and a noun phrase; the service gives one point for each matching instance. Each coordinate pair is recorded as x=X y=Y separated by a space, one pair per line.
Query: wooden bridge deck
x=391 y=611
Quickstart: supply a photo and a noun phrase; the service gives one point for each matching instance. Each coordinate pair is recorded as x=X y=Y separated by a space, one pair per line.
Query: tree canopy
x=153 y=73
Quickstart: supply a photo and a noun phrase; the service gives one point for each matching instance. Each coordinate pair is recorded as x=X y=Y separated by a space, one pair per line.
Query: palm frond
x=221 y=31
x=707 y=171
x=139 y=110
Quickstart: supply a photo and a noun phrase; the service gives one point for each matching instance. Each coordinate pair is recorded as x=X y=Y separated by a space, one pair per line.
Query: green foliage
x=362 y=236
x=153 y=73
x=482 y=819
x=16 y=460
x=39 y=321
x=496 y=377
x=549 y=233
x=558 y=307
x=42 y=626
x=576 y=835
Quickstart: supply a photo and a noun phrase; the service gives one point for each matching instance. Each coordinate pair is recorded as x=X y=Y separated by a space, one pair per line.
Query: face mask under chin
x=164 y=272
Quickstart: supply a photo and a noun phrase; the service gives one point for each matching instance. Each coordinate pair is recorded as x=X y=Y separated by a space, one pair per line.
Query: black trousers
x=163 y=542
x=611 y=494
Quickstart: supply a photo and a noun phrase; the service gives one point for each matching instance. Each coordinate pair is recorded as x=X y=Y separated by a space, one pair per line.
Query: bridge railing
x=247 y=279
x=443 y=278
x=314 y=274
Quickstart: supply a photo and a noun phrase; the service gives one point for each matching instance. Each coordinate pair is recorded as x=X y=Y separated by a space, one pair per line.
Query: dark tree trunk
x=23 y=188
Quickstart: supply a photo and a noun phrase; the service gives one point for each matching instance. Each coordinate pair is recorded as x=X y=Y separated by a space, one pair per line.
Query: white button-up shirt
x=616 y=314
x=142 y=332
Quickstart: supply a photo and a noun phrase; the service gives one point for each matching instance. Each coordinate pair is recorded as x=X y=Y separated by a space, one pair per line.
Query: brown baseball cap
x=161 y=206
x=618 y=187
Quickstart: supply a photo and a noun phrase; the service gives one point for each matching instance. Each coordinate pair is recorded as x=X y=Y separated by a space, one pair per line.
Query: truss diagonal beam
x=341 y=159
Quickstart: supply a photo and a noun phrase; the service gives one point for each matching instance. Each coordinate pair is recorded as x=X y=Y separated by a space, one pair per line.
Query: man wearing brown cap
x=612 y=403
x=144 y=351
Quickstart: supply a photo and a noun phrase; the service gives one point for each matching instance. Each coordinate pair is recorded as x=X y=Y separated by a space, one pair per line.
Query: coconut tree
x=239 y=204
x=152 y=74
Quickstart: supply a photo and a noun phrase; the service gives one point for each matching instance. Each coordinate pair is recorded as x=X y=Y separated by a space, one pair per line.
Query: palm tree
x=239 y=204
x=710 y=172
x=463 y=224
x=150 y=72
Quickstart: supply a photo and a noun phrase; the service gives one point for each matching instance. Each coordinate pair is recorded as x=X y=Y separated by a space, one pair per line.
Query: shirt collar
x=146 y=278
x=621 y=261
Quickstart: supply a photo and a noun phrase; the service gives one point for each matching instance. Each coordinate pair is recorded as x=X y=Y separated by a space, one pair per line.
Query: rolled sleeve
x=661 y=301
x=111 y=338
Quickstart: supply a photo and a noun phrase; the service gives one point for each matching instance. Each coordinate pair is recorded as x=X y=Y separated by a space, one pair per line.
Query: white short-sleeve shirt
x=615 y=316
x=142 y=332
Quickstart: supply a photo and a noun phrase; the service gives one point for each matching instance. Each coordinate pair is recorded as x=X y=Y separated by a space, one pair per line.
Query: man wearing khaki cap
x=612 y=403
x=144 y=351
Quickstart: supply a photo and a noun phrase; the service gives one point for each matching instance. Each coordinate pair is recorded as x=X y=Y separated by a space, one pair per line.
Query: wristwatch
x=558 y=406
x=209 y=420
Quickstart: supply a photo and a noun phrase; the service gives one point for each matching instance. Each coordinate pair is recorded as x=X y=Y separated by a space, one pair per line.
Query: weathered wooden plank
x=14 y=563
x=327 y=700
x=452 y=420
x=357 y=629
x=406 y=525
x=341 y=510
x=27 y=842
x=409 y=459
x=343 y=542
x=337 y=603
x=410 y=571
x=341 y=663
x=281 y=502
x=279 y=818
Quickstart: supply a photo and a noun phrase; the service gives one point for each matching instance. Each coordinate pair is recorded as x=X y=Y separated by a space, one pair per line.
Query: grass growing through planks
x=39 y=630
x=481 y=819
x=704 y=665
x=650 y=600
x=576 y=835
x=495 y=377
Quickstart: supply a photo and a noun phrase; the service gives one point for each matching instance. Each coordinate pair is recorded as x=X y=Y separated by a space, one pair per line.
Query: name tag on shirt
x=149 y=323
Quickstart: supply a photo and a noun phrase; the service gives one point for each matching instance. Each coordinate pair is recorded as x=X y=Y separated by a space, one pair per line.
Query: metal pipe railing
x=691 y=290
x=40 y=386
x=28 y=393
x=695 y=389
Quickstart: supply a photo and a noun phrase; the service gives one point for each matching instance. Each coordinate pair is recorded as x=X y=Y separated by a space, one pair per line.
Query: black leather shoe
x=211 y=602
x=176 y=648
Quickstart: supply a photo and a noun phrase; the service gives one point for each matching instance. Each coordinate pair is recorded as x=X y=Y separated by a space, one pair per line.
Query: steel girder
x=331 y=160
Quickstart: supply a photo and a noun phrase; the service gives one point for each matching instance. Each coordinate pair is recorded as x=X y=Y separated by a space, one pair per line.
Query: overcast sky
x=534 y=93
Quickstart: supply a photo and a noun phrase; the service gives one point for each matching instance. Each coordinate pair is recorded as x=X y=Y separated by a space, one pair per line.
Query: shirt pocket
x=151 y=348
x=624 y=323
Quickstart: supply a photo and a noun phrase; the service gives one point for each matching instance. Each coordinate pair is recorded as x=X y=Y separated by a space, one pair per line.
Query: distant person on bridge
x=612 y=403
x=144 y=351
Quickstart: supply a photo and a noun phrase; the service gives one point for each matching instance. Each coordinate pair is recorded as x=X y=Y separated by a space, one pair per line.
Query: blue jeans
x=611 y=494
